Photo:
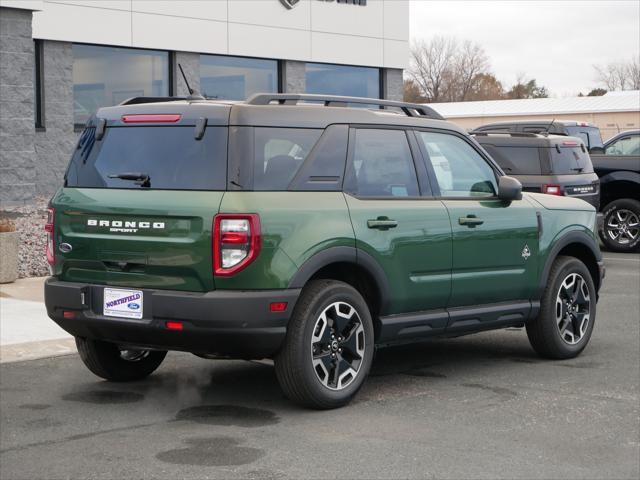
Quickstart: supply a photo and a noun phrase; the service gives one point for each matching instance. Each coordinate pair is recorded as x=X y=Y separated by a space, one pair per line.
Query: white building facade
x=63 y=59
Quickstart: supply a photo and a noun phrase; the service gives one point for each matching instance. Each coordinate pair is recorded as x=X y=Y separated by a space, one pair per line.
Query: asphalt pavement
x=482 y=406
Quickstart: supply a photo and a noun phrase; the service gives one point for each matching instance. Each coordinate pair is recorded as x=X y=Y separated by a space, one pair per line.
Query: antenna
x=193 y=94
x=546 y=132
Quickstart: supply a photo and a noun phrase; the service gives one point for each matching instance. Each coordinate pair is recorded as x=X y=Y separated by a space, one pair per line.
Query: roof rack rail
x=139 y=100
x=506 y=132
x=409 y=109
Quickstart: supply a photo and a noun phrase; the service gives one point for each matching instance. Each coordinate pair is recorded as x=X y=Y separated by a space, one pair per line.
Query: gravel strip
x=29 y=221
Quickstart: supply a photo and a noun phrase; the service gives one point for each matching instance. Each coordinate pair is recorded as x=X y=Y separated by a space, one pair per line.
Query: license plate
x=122 y=303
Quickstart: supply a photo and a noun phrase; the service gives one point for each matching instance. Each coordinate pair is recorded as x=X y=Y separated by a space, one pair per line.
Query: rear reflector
x=174 y=325
x=69 y=314
x=152 y=118
x=278 y=306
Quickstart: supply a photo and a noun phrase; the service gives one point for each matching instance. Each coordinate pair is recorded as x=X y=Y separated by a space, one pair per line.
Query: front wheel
x=107 y=361
x=328 y=350
x=567 y=311
x=621 y=229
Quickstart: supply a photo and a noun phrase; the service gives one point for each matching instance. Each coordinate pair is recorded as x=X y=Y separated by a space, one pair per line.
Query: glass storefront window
x=105 y=76
x=343 y=80
x=236 y=78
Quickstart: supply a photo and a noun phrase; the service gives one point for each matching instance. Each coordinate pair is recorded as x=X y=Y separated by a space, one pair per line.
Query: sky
x=557 y=42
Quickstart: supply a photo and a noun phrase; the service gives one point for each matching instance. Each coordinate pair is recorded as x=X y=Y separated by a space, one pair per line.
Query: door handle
x=382 y=223
x=470 y=221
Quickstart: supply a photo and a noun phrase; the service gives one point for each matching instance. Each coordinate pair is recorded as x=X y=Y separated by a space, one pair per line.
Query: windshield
x=570 y=160
x=150 y=157
x=589 y=135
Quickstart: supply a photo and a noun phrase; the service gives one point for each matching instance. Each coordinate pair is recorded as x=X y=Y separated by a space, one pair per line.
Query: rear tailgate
x=143 y=239
x=140 y=195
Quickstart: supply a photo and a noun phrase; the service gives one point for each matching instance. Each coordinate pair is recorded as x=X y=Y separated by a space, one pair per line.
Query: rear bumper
x=229 y=323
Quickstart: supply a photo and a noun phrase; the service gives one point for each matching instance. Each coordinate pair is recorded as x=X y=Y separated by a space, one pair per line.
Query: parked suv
x=588 y=132
x=297 y=228
x=550 y=164
x=619 y=171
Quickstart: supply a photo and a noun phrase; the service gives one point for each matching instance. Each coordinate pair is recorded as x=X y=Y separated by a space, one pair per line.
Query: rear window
x=570 y=160
x=170 y=157
x=516 y=160
x=589 y=135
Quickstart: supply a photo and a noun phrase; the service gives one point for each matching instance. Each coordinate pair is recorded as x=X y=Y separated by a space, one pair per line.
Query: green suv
x=306 y=230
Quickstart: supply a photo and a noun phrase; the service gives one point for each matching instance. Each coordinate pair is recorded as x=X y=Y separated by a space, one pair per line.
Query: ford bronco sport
x=298 y=228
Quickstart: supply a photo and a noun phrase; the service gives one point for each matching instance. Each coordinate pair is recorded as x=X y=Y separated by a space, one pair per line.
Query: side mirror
x=509 y=189
x=597 y=150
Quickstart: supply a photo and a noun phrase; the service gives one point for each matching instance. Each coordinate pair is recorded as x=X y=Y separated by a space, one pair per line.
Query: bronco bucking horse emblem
x=289 y=3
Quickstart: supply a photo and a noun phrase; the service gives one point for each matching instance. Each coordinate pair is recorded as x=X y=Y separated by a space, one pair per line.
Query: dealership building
x=60 y=60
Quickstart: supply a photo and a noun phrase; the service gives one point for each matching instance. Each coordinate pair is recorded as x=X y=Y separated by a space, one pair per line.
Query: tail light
x=236 y=242
x=552 y=189
x=51 y=244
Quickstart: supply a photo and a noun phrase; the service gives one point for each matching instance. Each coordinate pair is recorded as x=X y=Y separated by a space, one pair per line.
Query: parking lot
x=481 y=406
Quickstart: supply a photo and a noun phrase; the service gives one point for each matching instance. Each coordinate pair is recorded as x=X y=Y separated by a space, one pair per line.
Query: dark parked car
x=550 y=164
x=619 y=172
x=588 y=132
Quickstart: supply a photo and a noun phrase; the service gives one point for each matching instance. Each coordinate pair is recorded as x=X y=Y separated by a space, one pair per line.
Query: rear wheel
x=329 y=346
x=621 y=229
x=567 y=311
x=106 y=360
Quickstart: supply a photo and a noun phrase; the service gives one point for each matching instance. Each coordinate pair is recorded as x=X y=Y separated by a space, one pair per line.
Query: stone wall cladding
x=17 y=152
x=191 y=65
x=393 y=84
x=294 y=77
x=56 y=142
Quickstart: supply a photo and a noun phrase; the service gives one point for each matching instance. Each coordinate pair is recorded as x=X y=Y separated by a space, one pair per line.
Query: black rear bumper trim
x=229 y=323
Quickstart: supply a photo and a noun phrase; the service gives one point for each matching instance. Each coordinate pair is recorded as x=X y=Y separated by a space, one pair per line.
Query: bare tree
x=620 y=75
x=471 y=62
x=446 y=70
x=432 y=64
x=634 y=72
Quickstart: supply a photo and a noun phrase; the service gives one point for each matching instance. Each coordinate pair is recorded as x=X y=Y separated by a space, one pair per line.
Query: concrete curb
x=22 y=352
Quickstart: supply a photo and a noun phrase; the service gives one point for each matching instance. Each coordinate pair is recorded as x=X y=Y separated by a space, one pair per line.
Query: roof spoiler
x=409 y=109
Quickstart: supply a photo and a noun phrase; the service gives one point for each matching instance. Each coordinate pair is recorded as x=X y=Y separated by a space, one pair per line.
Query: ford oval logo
x=65 y=247
x=133 y=306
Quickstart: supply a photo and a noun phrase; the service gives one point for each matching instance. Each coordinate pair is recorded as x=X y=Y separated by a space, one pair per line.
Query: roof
x=627 y=101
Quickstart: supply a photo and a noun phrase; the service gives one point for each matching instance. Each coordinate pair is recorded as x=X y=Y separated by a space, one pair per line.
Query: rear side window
x=279 y=153
x=569 y=161
x=170 y=157
x=516 y=160
x=381 y=165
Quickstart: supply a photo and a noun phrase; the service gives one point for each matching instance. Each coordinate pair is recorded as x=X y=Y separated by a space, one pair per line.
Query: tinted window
x=236 y=78
x=625 y=146
x=589 y=135
x=570 y=160
x=382 y=165
x=459 y=169
x=105 y=76
x=279 y=153
x=170 y=156
x=516 y=160
x=343 y=80
x=324 y=168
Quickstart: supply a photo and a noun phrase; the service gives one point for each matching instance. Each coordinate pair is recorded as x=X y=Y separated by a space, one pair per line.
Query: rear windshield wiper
x=578 y=169
x=142 y=179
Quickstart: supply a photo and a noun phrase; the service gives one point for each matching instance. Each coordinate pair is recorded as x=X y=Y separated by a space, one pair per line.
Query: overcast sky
x=556 y=42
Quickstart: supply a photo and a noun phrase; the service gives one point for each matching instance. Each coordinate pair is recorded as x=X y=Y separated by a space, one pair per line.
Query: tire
x=621 y=228
x=107 y=361
x=315 y=369
x=560 y=331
